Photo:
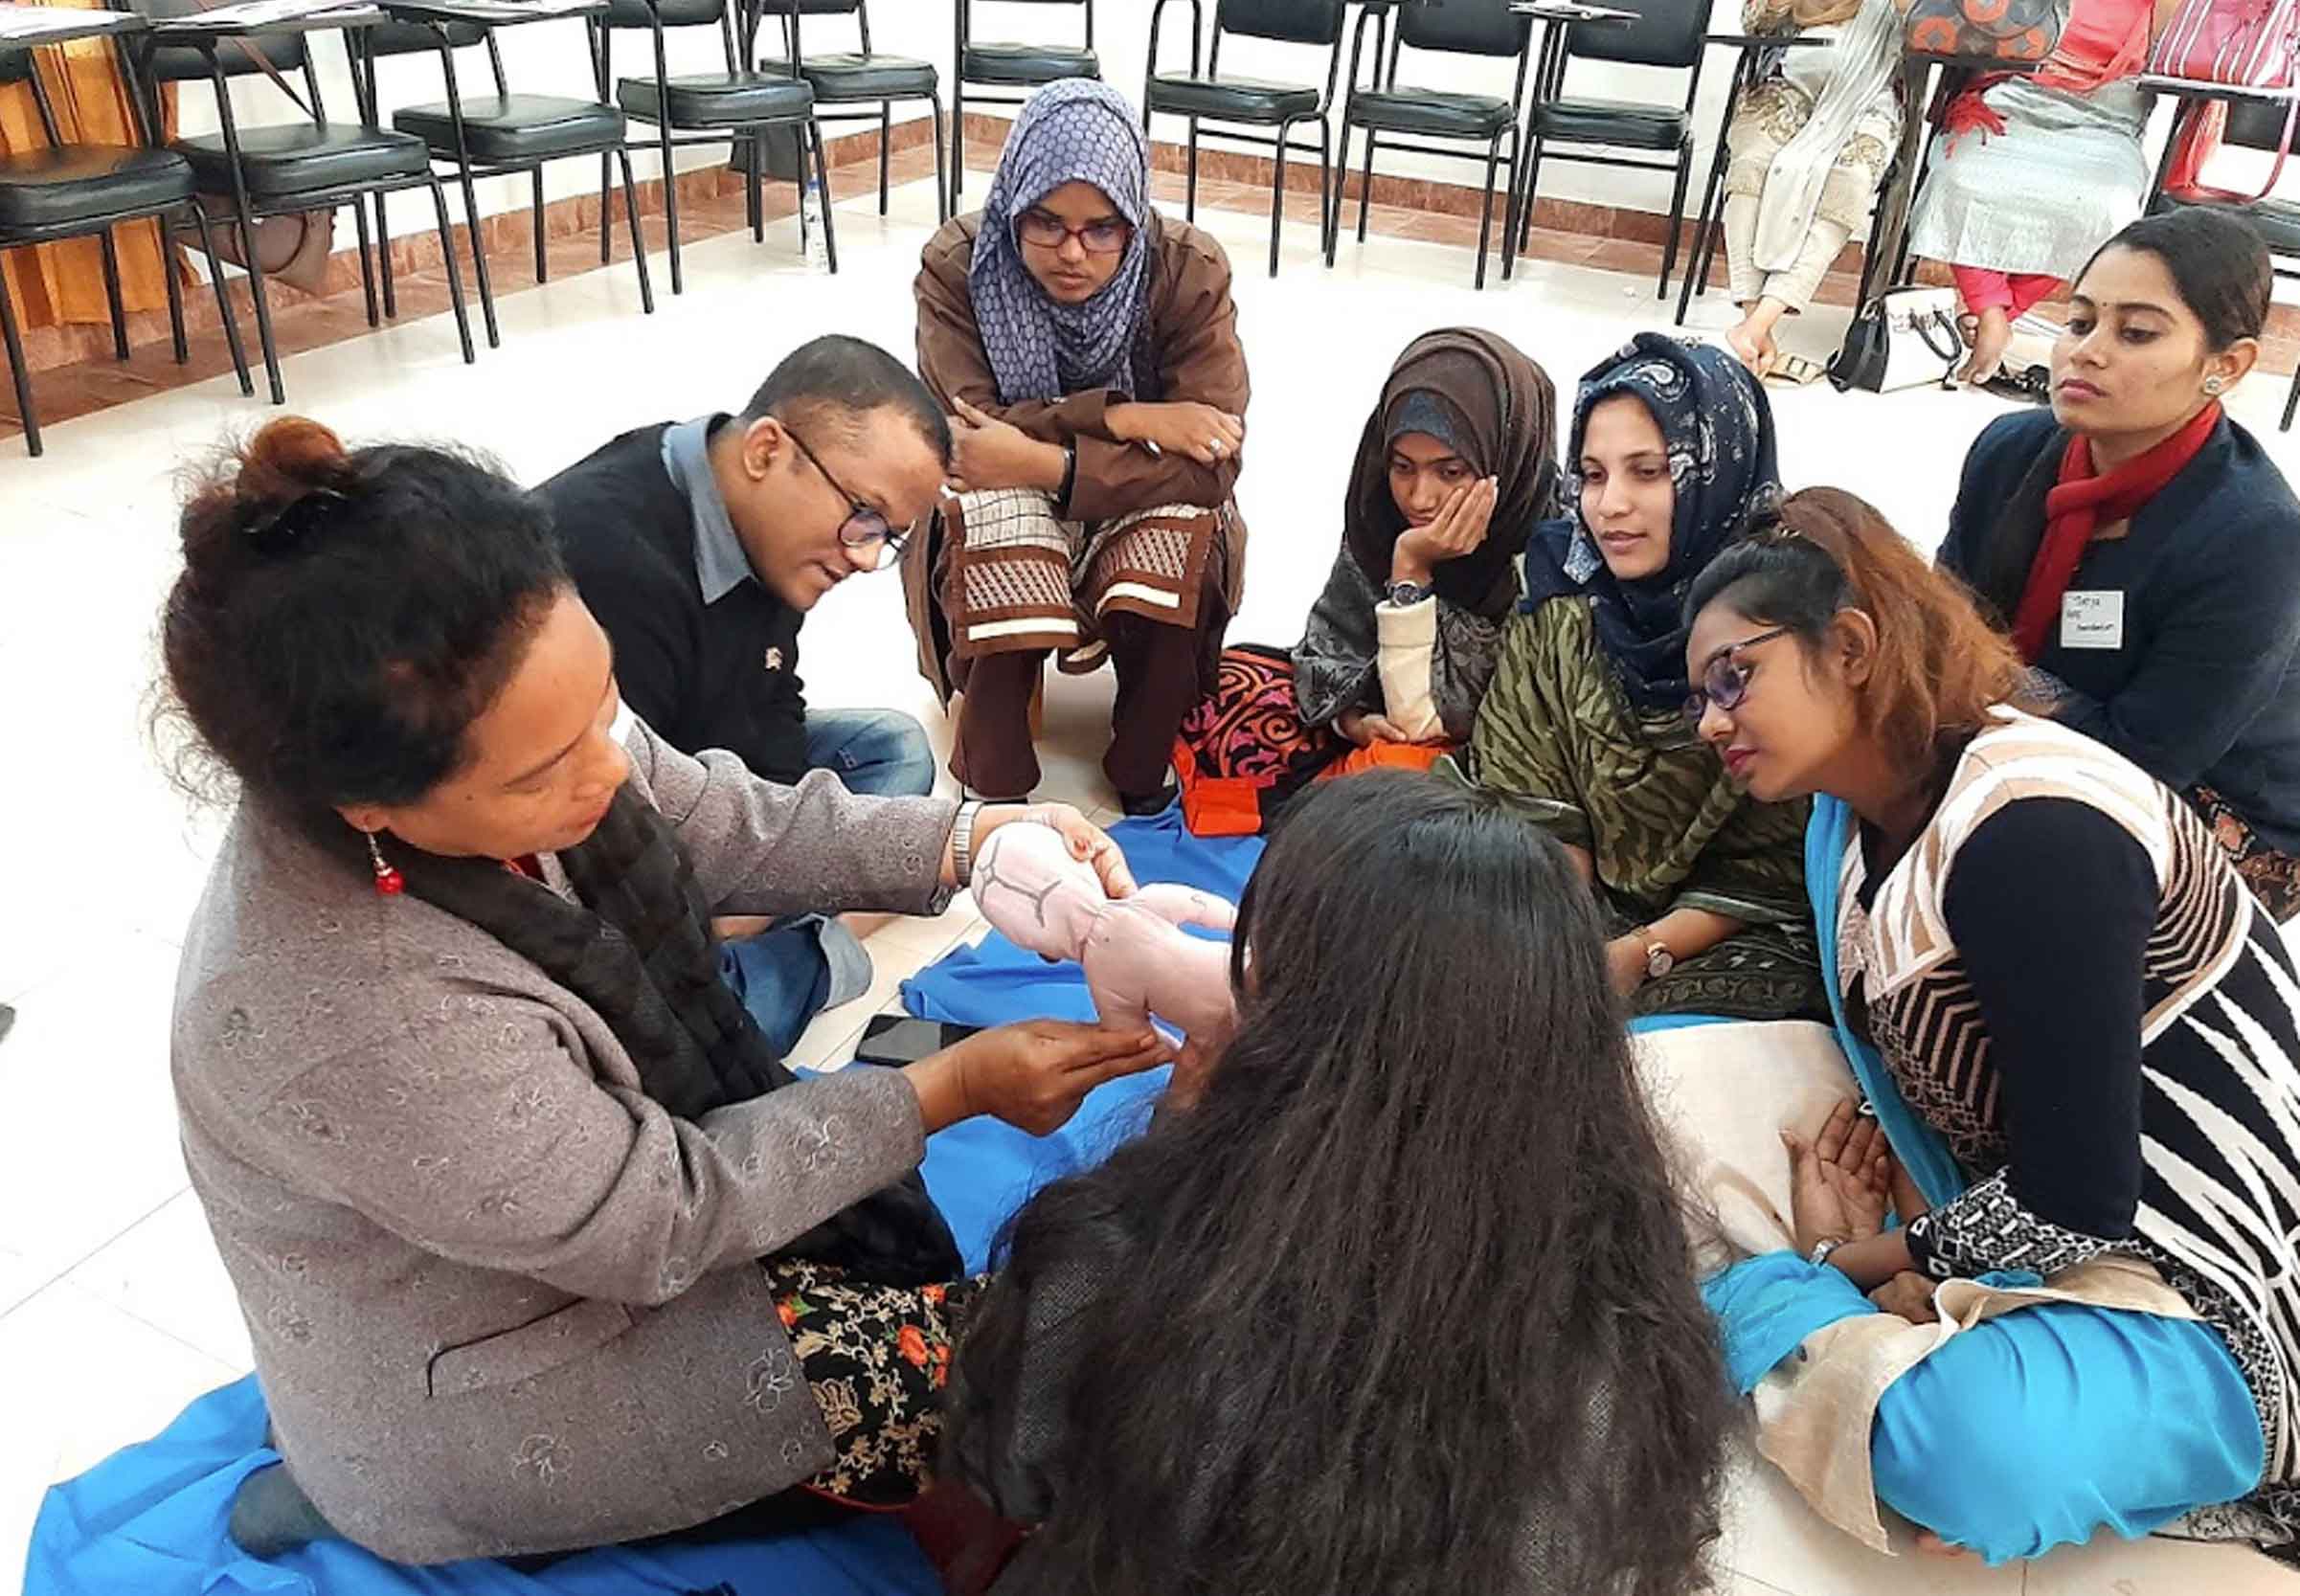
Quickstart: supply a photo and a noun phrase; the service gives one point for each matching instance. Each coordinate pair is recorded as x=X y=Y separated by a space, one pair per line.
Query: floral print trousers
x=876 y=1358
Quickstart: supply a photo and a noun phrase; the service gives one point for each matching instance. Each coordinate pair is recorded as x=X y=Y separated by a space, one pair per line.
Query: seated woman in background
x=1400 y=1298
x=2142 y=546
x=516 y=1198
x=2033 y=174
x=1583 y=730
x=1089 y=352
x=1456 y=463
x=1809 y=145
x=2078 y=1033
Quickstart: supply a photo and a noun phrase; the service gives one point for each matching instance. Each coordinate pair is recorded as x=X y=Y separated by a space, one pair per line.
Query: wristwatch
x=1659 y=959
x=1405 y=596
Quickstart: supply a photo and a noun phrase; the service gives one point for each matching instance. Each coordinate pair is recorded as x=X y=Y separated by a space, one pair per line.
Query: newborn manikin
x=1032 y=888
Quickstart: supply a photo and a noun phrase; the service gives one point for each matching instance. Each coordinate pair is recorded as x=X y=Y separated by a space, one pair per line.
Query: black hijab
x=1479 y=394
x=1719 y=429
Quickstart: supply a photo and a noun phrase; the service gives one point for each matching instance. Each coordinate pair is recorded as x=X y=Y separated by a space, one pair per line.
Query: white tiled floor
x=113 y=1309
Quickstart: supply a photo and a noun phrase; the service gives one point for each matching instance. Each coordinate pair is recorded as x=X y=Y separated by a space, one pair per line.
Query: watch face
x=1659 y=961
x=1403 y=594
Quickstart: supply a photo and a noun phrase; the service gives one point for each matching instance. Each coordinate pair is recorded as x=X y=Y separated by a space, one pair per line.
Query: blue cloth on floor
x=982 y=1172
x=150 y=1520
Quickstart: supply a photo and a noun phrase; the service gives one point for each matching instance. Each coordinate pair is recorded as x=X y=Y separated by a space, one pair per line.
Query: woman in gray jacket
x=540 y=1245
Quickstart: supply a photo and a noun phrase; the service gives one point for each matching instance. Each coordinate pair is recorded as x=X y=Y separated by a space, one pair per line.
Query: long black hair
x=1406 y=1303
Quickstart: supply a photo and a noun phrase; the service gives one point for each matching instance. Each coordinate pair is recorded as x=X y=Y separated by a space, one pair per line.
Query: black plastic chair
x=1022 y=66
x=859 y=78
x=1207 y=96
x=736 y=105
x=285 y=168
x=2259 y=125
x=71 y=190
x=502 y=133
x=1668 y=33
x=1462 y=28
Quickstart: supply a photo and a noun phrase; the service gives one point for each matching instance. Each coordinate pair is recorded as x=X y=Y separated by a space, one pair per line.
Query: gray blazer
x=500 y=1300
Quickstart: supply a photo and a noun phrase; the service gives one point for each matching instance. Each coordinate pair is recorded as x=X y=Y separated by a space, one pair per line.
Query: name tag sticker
x=2092 y=619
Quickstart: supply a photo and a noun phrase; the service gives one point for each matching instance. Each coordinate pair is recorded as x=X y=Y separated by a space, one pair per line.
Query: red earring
x=389 y=881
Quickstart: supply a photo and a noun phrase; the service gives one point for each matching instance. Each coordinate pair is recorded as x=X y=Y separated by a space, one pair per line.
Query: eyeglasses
x=863 y=527
x=1049 y=231
x=1724 y=681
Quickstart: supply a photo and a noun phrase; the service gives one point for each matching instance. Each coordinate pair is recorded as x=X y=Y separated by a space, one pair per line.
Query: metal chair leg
x=830 y=231
x=455 y=278
x=1333 y=236
x=111 y=295
x=264 y=305
x=945 y=200
x=670 y=200
x=958 y=141
x=1278 y=195
x=607 y=208
x=1365 y=186
x=180 y=346
x=1485 y=216
x=367 y=266
x=1677 y=217
x=1509 y=204
x=1325 y=187
x=2291 y=403
x=639 y=238
x=754 y=188
x=1533 y=179
x=1189 y=198
x=542 y=254
x=479 y=251
x=383 y=259
x=18 y=371
x=886 y=153
x=223 y=302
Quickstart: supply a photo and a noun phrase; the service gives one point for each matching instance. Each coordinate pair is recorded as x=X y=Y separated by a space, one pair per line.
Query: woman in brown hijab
x=1457 y=464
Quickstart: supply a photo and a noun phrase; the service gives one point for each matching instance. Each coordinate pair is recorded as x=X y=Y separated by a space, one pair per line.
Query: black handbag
x=1904 y=338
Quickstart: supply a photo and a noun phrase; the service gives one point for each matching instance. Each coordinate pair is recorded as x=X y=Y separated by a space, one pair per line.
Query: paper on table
x=516 y=11
x=32 y=23
x=258 y=14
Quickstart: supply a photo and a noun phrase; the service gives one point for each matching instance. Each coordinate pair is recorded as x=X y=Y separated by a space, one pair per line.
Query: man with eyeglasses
x=701 y=546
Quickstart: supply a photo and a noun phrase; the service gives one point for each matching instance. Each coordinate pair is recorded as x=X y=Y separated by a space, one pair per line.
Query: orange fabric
x=64 y=282
x=1217 y=805
x=1386 y=756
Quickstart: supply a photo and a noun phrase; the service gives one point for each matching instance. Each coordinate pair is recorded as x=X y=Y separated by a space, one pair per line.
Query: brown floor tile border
x=77 y=374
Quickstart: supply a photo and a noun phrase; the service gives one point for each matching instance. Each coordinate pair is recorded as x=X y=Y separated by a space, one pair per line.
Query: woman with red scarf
x=2034 y=173
x=2141 y=546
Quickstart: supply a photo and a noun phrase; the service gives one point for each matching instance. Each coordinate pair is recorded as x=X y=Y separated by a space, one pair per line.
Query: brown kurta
x=1192 y=331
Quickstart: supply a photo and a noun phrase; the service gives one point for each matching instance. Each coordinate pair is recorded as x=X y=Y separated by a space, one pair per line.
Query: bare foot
x=1752 y=345
x=1933 y=1545
x=1990 y=338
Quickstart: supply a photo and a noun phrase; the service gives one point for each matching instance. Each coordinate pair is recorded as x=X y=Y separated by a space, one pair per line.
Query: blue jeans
x=785 y=975
x=877 y=752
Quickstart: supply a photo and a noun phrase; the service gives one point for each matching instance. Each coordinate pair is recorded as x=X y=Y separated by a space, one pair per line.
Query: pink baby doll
x=1137 y=962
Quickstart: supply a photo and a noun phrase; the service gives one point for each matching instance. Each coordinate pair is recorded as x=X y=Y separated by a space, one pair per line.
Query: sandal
x=1794 y=369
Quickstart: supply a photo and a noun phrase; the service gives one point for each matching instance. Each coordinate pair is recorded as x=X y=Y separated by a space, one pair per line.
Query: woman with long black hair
x=1403 y=1302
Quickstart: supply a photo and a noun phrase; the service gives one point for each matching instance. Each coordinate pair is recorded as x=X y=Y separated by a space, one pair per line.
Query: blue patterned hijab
x=1074 y=131
x=1719 y=429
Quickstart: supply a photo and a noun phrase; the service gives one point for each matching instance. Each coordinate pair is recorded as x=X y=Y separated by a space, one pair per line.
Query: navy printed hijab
x=1074 y=131
x=1719 y=429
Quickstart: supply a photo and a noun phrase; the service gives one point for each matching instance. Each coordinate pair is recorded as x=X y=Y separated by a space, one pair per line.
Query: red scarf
x=2083 y=502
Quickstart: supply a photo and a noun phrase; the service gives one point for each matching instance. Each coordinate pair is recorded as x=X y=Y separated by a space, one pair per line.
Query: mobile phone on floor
x=895 y=1039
